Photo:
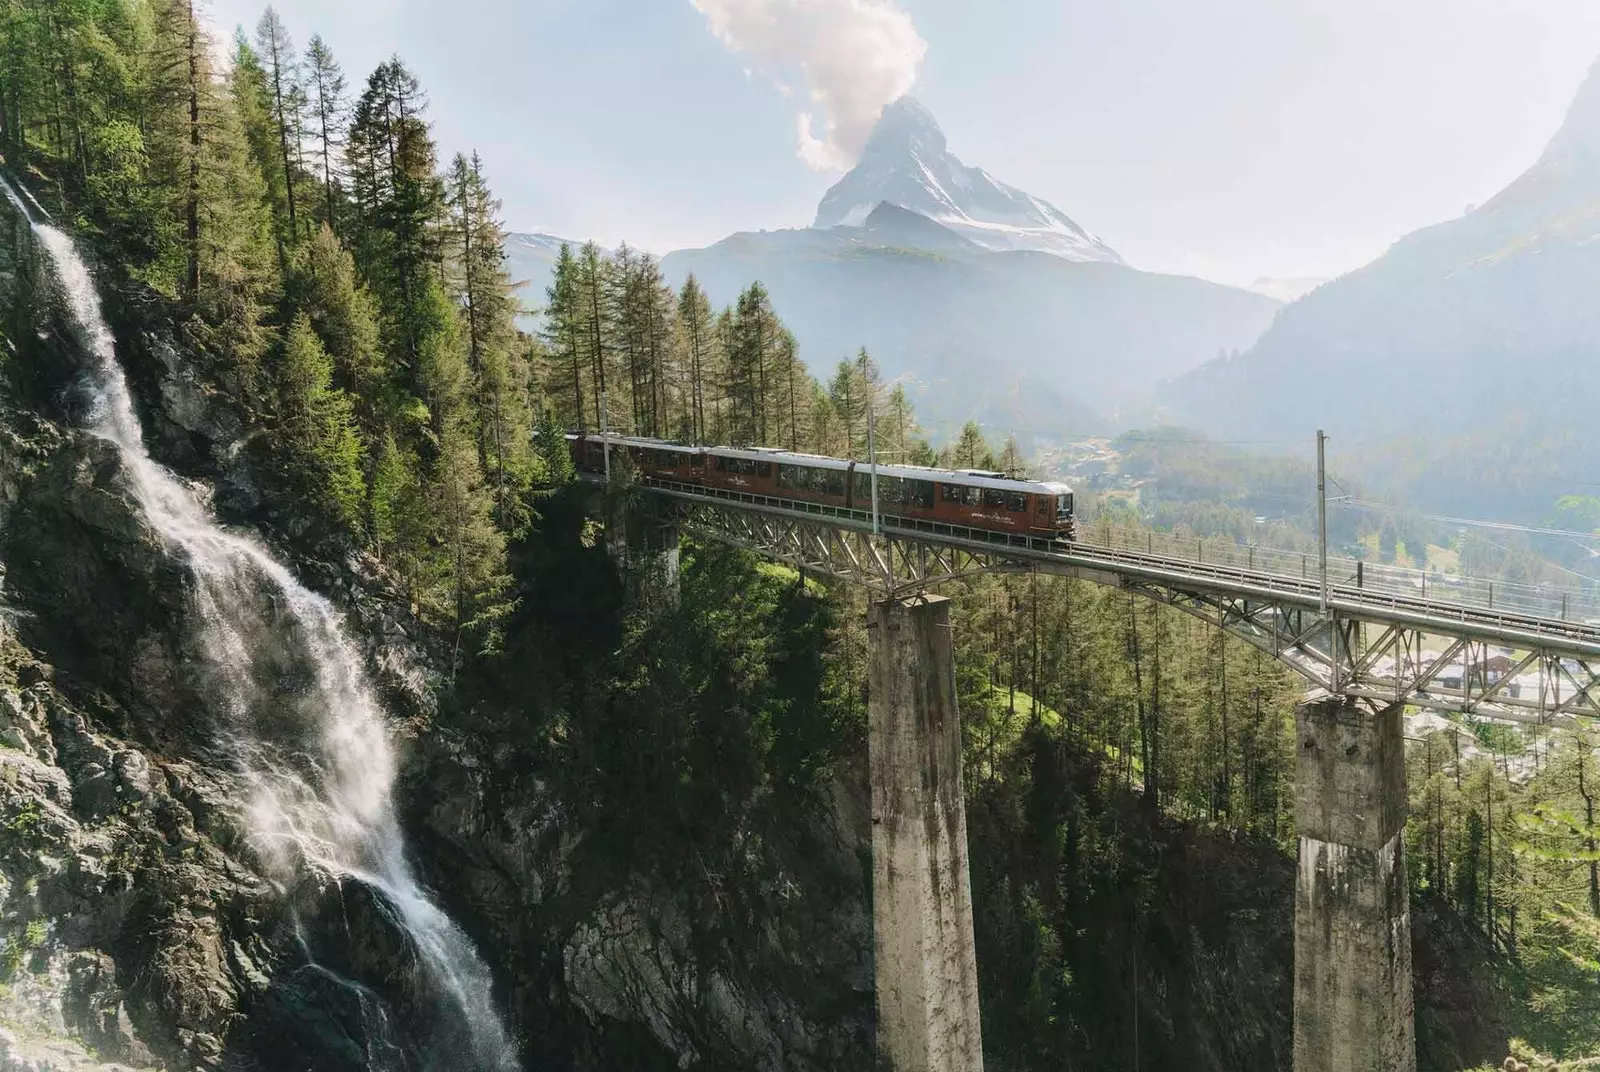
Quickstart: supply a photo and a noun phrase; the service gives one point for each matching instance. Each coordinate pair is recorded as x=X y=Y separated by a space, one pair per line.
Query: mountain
x=907 y=163
x=1288 y=289
x=531 y=260
x=1022 y=341
x=1461 y=364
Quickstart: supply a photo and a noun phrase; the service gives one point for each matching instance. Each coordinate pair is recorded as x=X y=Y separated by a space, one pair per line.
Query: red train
x=966 y=498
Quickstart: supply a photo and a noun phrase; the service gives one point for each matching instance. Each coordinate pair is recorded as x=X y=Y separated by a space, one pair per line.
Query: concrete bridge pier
x=643 y=539
x=1353 y=1008
x=926 y=966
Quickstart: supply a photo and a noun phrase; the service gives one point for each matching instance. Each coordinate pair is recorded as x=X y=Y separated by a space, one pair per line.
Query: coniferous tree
x=494 y=349
x=323 y=284
x=564 y=335
x=701 y=365
x=316 y=430
x=398 y=200
x=281 y=69
x=592 y=282
x=328 y=108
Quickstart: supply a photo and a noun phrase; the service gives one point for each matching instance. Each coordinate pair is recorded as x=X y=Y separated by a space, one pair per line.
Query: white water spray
x=313 y=747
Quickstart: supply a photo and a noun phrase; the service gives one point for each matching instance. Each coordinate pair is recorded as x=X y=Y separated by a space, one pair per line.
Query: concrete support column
x=926 y=966
x=1353 y=1008
x=644 y=542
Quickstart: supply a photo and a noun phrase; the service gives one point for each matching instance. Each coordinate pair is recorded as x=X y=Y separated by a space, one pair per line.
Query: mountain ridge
x=1482 y=324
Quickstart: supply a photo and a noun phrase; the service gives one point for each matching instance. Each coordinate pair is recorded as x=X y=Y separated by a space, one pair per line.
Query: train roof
x=967 y=477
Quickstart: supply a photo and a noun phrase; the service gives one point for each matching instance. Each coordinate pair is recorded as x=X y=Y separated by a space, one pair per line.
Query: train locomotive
x=963 y=498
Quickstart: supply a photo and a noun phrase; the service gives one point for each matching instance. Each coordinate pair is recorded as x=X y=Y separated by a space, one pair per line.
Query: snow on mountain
x=907 y=163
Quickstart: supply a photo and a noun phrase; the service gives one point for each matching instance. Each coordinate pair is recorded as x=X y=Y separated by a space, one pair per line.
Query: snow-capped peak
x=908 y=163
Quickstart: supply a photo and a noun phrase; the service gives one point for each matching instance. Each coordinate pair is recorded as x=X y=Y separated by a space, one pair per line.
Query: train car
x=965 y=498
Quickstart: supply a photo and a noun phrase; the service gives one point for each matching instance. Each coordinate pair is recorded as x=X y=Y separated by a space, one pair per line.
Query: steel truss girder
x=890 y=563
x=1394 y=663
x=1386 y=657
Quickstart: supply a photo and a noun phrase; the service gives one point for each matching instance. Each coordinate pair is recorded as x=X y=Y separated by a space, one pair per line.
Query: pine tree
x=494 y=350
x=324 y=285
x=252 y=100
x=282 y=75
x=328 y=111
x=564 y=335
x=316 y=430
x=970 y=451
x=398 y=200
x=591 y=284
x=702 y=368
x=753 y=346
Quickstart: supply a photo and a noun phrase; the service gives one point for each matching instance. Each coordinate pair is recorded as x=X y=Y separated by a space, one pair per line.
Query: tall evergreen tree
x=398 y=201
x=316 y=433
x=495 y=353
x=282 y=75
x=328 y=107
x=702 y=368
x=565 y=336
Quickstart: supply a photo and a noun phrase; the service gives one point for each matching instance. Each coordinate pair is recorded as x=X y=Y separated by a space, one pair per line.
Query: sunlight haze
x=1230 y=140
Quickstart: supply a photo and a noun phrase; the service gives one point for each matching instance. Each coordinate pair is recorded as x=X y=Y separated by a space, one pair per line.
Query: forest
x=346 y=290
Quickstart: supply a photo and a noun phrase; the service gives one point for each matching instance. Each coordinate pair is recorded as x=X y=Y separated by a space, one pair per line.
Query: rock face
x=613 y=965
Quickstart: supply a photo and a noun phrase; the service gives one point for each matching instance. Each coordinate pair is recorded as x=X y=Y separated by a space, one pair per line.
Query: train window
x=972 y=496
x=785 y=476
x=1017 y=502
x=923 y=495
x=722 y=464
x=993 y=497
x=697 y=461
x=835 y=482
x=765 y=468
x=1063 y=505
x=950 y=493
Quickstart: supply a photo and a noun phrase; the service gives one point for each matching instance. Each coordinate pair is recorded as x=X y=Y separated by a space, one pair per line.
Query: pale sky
x=1229 y=139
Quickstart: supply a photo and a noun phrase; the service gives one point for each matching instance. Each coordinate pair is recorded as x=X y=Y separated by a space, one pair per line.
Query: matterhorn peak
x=906 y=125
x=908 y=163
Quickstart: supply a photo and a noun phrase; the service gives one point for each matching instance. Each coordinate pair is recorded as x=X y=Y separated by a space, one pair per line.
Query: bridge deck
x=1519 y=652
x=1409 y=597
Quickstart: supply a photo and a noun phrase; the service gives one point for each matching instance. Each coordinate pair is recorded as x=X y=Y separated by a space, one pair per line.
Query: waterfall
x=300 y=717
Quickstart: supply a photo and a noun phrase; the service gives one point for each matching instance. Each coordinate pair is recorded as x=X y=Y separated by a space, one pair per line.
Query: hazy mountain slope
x=908 y=163
x=1026 y=340
x=531 y=261
x=1476 y=341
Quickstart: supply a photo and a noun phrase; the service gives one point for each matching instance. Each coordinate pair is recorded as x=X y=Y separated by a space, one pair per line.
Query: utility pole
x=1322 y=515
x=872 y=459
x=604 y=424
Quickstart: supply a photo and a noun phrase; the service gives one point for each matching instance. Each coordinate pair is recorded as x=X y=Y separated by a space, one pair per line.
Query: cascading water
x=299 y=714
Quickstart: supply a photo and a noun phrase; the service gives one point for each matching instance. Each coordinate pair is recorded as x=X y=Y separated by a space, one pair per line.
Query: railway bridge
x=1369 y=639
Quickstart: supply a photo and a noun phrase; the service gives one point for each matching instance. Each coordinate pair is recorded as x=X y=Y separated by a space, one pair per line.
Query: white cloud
x=855 y=57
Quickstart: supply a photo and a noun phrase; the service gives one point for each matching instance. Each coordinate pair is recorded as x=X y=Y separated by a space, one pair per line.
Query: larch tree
x=494 y=349
x=316 y=431
x=701 y=371
x=282 y=71
x=564 y=337
x=329 y=110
